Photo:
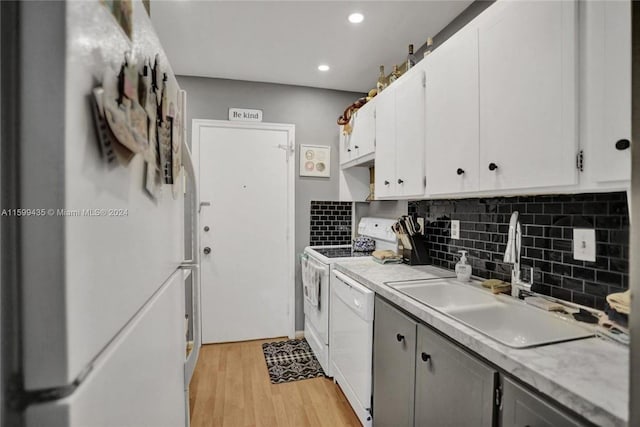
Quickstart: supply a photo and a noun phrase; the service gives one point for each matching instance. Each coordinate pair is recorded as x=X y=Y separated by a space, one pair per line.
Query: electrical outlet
x=455 y=229
x=584 y=244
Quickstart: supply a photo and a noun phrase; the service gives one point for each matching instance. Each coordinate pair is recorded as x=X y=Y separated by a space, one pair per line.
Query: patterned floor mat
x=291 y=360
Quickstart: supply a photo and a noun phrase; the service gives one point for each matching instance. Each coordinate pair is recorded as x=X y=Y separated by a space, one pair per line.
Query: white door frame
x=196 y=126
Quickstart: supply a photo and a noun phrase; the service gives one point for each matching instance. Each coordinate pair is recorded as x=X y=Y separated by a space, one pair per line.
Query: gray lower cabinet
x=521 y=408
x=452 y=388
x=394 y=347
x=422 y=379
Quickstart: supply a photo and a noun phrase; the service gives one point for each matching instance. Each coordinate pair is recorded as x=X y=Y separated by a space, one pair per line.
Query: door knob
x=206 y=228
x=623 y=144
x=400 y=337
x=493 y=166
x=400 y=181
x=207 y=250
x=425 y=357
x=460 y=171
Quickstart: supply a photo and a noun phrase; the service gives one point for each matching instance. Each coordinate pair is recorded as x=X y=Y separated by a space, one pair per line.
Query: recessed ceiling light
x=356 y=18
x=323 y=67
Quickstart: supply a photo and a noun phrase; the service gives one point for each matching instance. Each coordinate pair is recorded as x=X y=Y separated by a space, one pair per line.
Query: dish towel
x=311 y=280
x=620 y=301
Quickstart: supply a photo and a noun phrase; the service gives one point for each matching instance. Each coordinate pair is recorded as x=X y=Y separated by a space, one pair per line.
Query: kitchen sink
x=444 y=294
x=518 y=325
x=501 y=318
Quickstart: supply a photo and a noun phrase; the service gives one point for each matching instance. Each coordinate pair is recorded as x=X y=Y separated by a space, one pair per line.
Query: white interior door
x=246 y=174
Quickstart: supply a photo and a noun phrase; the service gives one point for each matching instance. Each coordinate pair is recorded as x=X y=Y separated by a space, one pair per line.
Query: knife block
x=419 y=254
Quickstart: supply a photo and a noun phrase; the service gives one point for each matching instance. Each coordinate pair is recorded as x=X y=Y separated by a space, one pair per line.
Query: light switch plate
x=455 y=229
x=584 y=244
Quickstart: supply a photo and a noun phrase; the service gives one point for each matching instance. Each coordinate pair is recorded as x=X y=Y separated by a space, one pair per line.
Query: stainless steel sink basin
x=501 y=318
x=519 y=325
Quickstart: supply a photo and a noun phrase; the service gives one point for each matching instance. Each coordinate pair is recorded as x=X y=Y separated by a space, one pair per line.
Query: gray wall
x=313 y=111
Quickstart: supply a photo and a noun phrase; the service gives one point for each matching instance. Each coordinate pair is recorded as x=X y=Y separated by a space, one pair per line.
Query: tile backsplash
x=547 y=245
x=330 y=223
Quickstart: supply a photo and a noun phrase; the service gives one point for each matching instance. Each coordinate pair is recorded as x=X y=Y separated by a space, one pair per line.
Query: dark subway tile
x=552 y=279
x=583 y=273
x=618 y=208
x=596 y=289
x=609 y=278
x=573 y=284
x=543 y=220
x=619 y=265
x=562 y=269
x=534 y=207
x=562 y=245
x=584 y=299
x=596 y=208
x=560 y=293
x=552 y=208
x=608 y=222
x=572 y=208
x=619 y=237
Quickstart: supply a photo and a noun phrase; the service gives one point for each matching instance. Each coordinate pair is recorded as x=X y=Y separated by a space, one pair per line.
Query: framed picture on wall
x=315 y=160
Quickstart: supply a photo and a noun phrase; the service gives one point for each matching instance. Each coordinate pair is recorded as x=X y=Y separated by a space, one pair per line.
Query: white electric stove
x=317 y=266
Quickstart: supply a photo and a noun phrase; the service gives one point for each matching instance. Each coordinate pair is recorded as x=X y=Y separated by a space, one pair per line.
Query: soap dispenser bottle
x=463 y=269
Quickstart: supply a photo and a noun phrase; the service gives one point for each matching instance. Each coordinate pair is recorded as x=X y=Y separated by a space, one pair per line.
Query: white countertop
x=589 y=376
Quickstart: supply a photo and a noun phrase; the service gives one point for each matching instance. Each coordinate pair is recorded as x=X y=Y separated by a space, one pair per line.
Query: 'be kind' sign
x=245 y=115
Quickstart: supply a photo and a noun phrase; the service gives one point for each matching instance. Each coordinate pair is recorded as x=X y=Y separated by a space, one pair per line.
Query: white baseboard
x=299 y=335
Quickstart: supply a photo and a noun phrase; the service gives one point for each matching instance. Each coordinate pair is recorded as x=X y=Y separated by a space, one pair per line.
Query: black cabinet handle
x=623 y=144
x=460 y=171
x=400 y=181
x=493 y=166
x=348 y=150
x=400 y=337
x=386 y=183
x=356 y=147
x=425 y=356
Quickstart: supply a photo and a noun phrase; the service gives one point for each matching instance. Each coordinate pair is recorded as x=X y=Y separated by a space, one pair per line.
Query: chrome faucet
x=512 y=256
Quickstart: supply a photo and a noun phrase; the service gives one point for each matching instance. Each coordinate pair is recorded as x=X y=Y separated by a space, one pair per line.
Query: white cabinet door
x=527 y=54
x=452 y=116
x=363 y=135
x=345 y=146
x=409 y=117
x=385 y=125
x=611 y=163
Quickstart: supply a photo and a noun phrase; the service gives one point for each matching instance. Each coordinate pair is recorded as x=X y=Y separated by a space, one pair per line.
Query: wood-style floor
x=230 y=387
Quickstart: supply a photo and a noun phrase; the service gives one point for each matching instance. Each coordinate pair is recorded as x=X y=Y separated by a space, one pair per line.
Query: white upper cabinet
x=358 y=147
x=452 y=115
x=399 y=128
x=528 y=95
x=410 y=125
x=606 y=91
x=385 y=128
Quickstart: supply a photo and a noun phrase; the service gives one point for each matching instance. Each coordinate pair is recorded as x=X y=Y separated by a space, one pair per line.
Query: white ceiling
x=285 y=41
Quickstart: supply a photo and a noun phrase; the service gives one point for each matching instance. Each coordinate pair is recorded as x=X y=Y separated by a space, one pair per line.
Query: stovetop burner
x=340 y=252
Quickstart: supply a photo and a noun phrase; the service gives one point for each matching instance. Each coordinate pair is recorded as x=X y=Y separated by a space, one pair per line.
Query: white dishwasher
x=351 y=336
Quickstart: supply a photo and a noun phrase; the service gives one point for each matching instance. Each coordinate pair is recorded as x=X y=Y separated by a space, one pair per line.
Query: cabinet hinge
x=424 y=182
x=580 y=161
x=424 y=80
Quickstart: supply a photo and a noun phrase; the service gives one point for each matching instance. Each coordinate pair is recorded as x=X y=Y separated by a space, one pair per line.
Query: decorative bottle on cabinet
x=382 y=80
x=394 y=75
x=411 y=58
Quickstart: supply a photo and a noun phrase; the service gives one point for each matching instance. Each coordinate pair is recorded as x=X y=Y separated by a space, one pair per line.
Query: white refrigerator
x=99 y=318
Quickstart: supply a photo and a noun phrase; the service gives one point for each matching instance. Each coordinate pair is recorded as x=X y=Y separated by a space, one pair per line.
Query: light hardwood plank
x=231 y=388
